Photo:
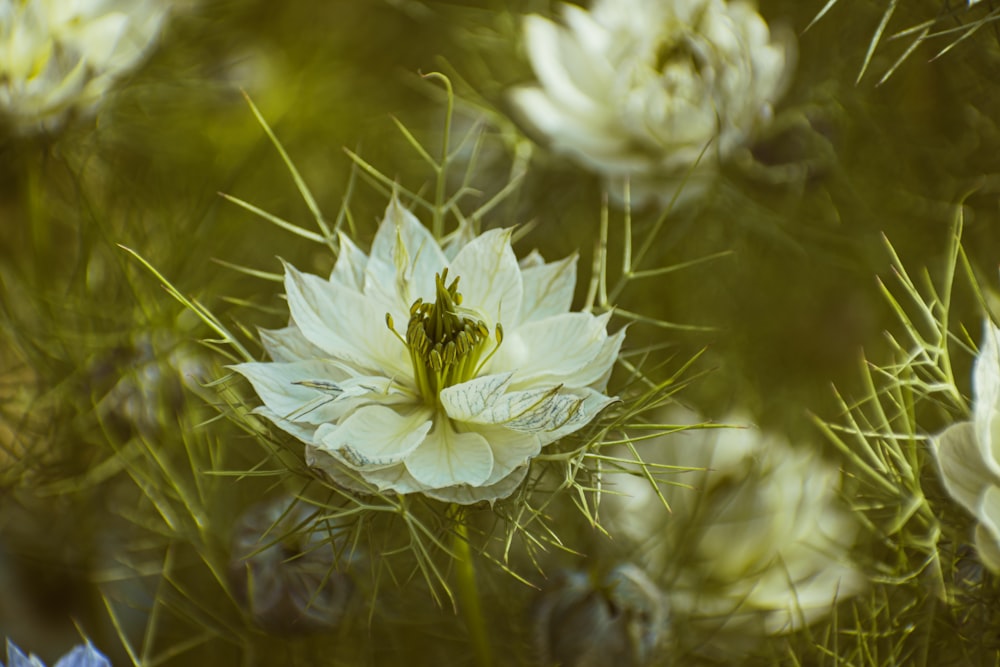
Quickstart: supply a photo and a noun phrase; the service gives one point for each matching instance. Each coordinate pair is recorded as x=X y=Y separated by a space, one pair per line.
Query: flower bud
x=620 y=619
x=288 y=569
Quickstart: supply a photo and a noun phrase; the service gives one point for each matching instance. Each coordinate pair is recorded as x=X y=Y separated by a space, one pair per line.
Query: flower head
x=760 y=542
x=622 y=619
x=648 y=91
x=61 y=55
x=84 y=655
x=968 y=453
x=285 y=570
x=488 y=368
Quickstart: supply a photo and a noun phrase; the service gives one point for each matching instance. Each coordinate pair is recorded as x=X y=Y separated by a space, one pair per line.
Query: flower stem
x=468 y=592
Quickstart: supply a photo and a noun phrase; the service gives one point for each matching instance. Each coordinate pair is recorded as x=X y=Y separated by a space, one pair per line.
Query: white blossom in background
x=653 y=91
x=430 y=369
x=968 y=453
x=59 y=56
x=757 y=540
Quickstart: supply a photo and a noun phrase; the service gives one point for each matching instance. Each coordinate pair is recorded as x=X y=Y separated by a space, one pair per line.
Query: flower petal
x=986 y=389
x=988 y=548
x=960 y=462
x=551 y=48
x=344 y=324
x=374 y=436
x=551 y=413
x=463 y=494
x=394 y=478
x=511 y=449
x=490 y=279
x=989 y=517
x=84 y=655
x=556 y=350
x=548 y=289
x=349 y=270
x=447 y=458
x=288 y=344
x=277 y=384
x=404 y=259
x=302 y=430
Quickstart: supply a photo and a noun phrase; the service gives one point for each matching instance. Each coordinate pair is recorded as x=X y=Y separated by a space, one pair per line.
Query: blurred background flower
x=61 y=56
x=655 y=94
x=968 y=453
x=756 y=543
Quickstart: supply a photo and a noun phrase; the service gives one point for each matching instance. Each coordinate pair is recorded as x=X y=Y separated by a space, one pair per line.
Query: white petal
x=302 y=430
x=986 y=390
x=288 y=344
x=960 y=462
x=988 y=548
x=374 y=436
x=596 y=145
x=404 y=259
x=556 y=350
x=345 y=324
x=394 y=478
x=548 y=288
x=447 y=458
x=489 y=277
x=277 y=385
x=465 y=402
x=606 y=359
x=349 y=270
x=551 y=413
x=464 y=494
x=989 y=517
x=550 y=48
x=511 y=449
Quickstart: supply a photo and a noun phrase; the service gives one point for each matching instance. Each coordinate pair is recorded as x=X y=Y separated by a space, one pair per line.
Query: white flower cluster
x=653 y=92
x=487 y=366
x=968 y=453
x=57 y=56
x=756 y=539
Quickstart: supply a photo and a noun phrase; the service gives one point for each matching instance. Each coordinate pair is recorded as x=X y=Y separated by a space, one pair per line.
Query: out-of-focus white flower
x=968 y=453
x=756 y=541
x=582 y=621
x=84 y=655
x=486 y=367
x=653 y=92
x=62 y=55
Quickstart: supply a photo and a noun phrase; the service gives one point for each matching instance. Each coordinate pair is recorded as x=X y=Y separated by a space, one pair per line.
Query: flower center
x=446 y=347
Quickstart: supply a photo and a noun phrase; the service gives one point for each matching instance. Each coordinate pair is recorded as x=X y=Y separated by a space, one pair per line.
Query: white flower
x=62 y=55
x=968 y=453
x=636 y=90
x=756 y=539
x=486 y=367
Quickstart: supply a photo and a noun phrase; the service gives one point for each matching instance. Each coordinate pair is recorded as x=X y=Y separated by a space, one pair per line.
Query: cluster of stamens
x=445 y=346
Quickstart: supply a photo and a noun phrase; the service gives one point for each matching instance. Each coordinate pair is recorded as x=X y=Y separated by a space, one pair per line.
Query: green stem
x=468 y=592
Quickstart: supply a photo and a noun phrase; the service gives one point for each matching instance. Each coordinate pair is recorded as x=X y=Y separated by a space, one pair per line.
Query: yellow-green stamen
x=445 y=346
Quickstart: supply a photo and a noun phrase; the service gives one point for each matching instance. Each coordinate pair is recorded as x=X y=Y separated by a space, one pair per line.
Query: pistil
x=446 y=346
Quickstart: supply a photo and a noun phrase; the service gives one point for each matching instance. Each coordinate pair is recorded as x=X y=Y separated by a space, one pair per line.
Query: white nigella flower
x=758 y=540
x=968 y=453
x=636 y=90
x=62 y=55
x=437 y=370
